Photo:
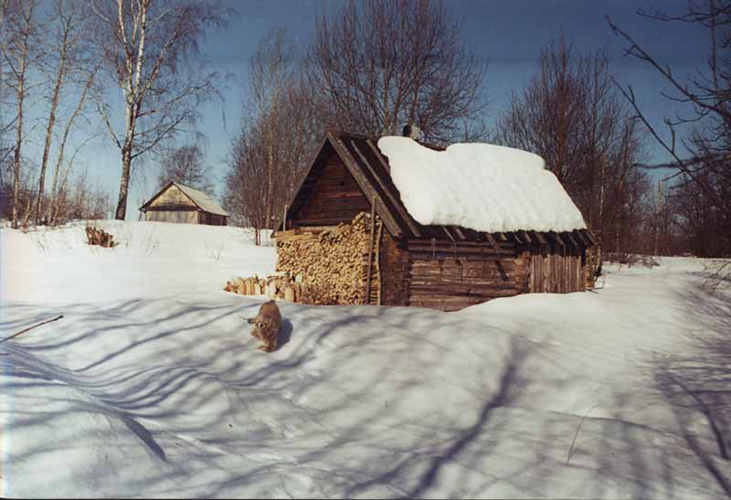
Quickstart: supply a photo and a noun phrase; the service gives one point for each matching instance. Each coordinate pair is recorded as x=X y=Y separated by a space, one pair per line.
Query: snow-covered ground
x=151 y=386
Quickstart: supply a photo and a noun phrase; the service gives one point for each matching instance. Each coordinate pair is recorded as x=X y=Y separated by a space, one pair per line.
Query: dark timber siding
x=335 y=198
x=451 y=276
x=441 y=267
x=557 y=269
x=394 y=272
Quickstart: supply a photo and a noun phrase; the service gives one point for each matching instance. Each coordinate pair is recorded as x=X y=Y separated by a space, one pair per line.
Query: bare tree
x=87 y=73
x=245 y=196
x=60 y=205
x=81 y=198
x=18 y=56
x=698 y=138
x=378 y=65
x=571 y=115
x=279 y=131
x=151 y=52
x=5 y=150
x=296 y=133
x=4 y=7
x=68 y=19
x=186 y=165
x=271 y=72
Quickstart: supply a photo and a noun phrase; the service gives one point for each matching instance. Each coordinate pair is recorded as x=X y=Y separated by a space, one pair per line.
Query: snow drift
x=151 y=386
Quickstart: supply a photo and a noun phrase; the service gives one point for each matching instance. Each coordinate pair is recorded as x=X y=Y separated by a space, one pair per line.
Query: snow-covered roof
x=201 y=199
x=479 y=186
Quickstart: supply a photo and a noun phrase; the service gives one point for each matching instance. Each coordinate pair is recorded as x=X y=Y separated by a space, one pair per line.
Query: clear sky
x=507 y=33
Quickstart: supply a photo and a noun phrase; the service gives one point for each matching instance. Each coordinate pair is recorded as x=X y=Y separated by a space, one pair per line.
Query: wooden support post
x=494 y=243
x=378 y=263
x=582 y=238
x=370 y=252
x=284 y=219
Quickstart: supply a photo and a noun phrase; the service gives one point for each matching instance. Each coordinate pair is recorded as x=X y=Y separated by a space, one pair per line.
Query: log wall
x=333 y=262
x=556 y=268
x=451 y=276
x=210 y=219
x=336 y=198
x=395 y=267
x=179 y=216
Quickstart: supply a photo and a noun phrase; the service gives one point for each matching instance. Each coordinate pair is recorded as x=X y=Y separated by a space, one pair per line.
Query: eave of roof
x=370 y=168
x=198 y=198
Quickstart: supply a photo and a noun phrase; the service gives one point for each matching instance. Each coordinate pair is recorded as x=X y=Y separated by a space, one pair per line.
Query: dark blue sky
x=509 y=34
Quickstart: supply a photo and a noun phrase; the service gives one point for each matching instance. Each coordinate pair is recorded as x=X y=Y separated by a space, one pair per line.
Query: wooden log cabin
x=182 y=204
x=445 y=267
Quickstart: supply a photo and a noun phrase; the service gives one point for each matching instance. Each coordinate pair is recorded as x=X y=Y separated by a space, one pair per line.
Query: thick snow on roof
x=202 y=200
x=479 y=186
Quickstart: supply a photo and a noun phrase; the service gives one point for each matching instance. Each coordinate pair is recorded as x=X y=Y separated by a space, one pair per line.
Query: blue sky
x=509 y=34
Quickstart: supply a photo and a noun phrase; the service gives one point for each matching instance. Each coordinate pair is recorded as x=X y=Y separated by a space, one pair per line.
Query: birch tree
x=279 y=131
x=271 y=72
x=68 y=21
x=151 y=53
x=4 y=127
x=18 y=56
x=63 y=169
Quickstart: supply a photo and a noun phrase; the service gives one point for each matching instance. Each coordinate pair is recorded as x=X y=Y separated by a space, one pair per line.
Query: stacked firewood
x=280 y=286
x=325 y=268
x=96 y=236
x=333 y=261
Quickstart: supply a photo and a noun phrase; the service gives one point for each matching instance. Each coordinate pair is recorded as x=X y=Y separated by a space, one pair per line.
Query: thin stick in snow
x=32 y=327
x=576 y=434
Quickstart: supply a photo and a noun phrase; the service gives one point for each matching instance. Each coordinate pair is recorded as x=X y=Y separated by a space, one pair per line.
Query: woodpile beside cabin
x=183 y=204
x=394 y=222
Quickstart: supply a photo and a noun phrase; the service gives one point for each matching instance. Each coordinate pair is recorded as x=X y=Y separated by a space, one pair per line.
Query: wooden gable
x=346 y=176
x=170 y=197
x=335 y=196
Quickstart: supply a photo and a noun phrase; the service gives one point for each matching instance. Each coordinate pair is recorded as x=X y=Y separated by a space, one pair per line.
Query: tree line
x=63 y=66
x=371 y=67
x=376 y=65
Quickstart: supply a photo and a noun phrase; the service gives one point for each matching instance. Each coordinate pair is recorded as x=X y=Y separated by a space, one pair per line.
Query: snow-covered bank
x=151 y=386
x=151 y=259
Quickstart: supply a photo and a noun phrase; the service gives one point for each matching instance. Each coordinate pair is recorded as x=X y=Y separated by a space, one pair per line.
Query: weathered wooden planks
x=334 y=198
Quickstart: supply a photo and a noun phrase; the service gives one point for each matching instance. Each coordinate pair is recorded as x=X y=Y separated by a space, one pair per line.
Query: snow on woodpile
x=479 y=186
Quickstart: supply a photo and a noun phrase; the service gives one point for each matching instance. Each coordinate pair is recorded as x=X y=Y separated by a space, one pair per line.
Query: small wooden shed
x=445 y=267
x=178 y=203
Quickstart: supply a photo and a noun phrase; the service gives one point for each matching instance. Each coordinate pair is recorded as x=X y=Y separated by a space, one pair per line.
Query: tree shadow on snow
x=697 y=384
x=337 y=406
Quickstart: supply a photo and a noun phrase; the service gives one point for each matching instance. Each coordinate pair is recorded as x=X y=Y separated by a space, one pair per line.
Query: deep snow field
x=151 y=386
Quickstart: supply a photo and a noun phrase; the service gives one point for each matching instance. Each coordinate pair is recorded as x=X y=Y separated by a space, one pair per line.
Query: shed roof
x=375 y=173
x=479 y=186
x=199 y=198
